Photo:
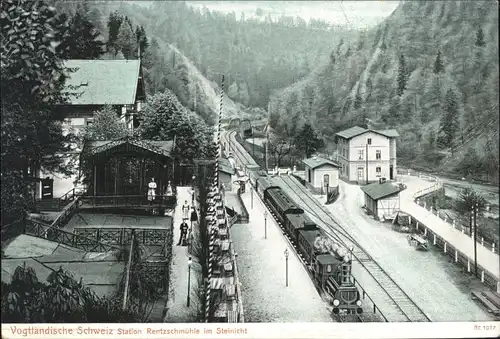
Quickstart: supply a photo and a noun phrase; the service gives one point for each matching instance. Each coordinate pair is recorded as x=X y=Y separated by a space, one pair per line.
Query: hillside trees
x=106 y=126
x=307 y=141
x=261 y=56
x=164 y=118
x=32 y=77
x=83 y=41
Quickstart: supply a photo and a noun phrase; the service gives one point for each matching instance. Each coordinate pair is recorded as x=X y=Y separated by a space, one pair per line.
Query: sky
x=353 y=14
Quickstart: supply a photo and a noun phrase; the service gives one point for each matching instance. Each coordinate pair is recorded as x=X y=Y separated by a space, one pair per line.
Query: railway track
x=398 y=306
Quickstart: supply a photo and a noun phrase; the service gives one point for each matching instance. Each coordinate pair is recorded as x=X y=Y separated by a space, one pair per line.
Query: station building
x=366 y=155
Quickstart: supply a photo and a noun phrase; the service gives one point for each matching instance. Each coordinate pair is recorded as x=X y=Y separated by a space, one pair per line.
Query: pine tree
x=114 y=22
x=126 y=41
x=449 y=121
x=83 y=40
x=402 y=78
x=480 y=38
x=358 y=99
x=438 y=64
x=308 y=141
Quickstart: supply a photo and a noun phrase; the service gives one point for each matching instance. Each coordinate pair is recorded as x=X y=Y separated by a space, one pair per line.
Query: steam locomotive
x=330 y=272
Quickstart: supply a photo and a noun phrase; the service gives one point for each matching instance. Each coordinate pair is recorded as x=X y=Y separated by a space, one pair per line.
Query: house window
x=379 y=171
x=326 y=179
x=360 y=154
x=378 y=155
x=89 y=121
x=329 y=268
x=369 y=142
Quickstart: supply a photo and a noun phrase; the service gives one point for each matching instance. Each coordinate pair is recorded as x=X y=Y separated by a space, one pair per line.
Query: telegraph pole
x=475 y=237
x=366 y=163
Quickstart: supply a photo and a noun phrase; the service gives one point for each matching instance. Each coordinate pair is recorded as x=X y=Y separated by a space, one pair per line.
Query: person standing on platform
x=184 y=229
x=168 y=190
x=185 y=211
x=151 y=191
x=194 y=216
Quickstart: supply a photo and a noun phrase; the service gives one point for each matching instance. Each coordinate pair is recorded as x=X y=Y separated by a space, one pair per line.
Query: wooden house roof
x=102 y=82
x=96 y=147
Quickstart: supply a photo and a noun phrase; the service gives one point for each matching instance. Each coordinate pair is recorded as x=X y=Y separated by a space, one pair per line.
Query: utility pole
x=253 y=140
x=475 y=237
x=367 y=163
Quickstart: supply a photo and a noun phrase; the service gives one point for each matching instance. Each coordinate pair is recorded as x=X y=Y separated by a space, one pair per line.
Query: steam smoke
x=327 y=245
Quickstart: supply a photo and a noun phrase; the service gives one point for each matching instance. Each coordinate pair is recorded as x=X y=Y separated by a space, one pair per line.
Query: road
x=427 y=277
x=453 y=188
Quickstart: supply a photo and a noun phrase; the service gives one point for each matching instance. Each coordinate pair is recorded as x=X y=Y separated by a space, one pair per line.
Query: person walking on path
x=182 y=239
x=185 y=211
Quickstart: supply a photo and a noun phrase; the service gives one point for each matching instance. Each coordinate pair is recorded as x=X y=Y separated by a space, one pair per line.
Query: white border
x=254 y=330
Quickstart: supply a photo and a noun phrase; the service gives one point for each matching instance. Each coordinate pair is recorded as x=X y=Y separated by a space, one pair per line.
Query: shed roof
x=378 y=191
x=316 y=162
x=357 y=130
x=102 y=82
x=162 y=147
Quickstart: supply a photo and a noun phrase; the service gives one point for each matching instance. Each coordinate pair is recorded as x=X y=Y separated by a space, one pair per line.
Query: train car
x=296 y=222
x=263 y=183
x=305 y=242
x=280 y=203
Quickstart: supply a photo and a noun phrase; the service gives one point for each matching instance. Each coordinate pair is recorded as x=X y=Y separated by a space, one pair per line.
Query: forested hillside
x=430 y=70
x=256 y=56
